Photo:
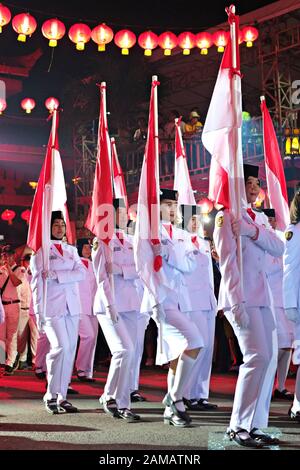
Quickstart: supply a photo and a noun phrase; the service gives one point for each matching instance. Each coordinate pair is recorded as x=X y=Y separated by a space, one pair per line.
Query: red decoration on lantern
x=186 y=41
x=167 y=41
x=51 y=104
x=204 y=42
x=125 y=39
x=250 y=34
x=28 y=104
x=26 y=215
x=102 y=35
x=53 y=30
x=220 y=39
x=80 y=34
x=2 y=105
x=5 y=16
x=206 y=205
x=8 y=216
x=148 y=41
x=24 y=24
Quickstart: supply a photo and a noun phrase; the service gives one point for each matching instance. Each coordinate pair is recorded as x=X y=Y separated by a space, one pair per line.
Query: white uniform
x=202 y=311
x=258 y=342
x=88 y=324
x=2 y=333
x=62 y=313
x=11 y=304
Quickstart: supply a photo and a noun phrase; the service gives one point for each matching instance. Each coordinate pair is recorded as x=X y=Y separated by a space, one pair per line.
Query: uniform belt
x=24 y=308
x=8 y=302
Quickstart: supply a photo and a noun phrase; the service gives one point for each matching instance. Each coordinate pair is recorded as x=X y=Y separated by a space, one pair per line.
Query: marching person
x=116 y=305
x=181 y=338
x=291 y=291
x=201 y=309
x=60 y=321
x=88 y=324
x=247 y=307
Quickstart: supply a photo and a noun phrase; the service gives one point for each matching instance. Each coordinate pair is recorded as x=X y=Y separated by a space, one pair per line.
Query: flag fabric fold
x=118 y=176
x=276 y=182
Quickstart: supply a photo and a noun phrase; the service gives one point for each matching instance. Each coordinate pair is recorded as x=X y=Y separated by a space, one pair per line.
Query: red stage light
x=24 y=24
x=28 y=104
x=206 y=205
x=80 y=34
x=102 y=35
x=204 y=42
x=51 y=104
x=5 y=16
x=53 y=30
x=220 y=39
x=148 y=41
x=186 y=41
x=167 y=41
x=3 y=105
x=125 y=39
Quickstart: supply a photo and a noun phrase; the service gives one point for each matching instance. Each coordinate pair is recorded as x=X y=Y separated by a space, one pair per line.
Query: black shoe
x=167 y=401
x=66 y=407
x=136 y=396
x=84 y=378
x=128 y=415
x=109 y=407
x=40 y=375
x=71 y=391
x=8 y=370
x=206 y=405
x=175 y=420
x=283 y=395
x=51 y=406
x=244 y=441
x=264 y=438
x=22 y=365
x=294 y=416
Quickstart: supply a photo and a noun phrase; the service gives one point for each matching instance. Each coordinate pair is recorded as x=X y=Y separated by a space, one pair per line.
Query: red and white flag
x=50 y=196
x=118 y=176
x=100 y=219
x=221 y=134
x=276 y=182
x=182 y=182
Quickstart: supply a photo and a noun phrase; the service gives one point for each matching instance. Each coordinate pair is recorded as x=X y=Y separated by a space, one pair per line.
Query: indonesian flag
x=118 y=176
x=149 y=268
x=274 y=170
x=182 y=182
x=50 y=196
x=100 y=219
x=222 y=132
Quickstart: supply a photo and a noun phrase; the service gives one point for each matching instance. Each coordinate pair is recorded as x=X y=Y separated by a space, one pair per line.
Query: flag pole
x=236 y=166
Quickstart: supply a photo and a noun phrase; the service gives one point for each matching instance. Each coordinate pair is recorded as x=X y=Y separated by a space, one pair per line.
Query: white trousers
x=12 y=316
x=198 y=386
x=62 y=333
x=121 y=347
x=259 y=346
x=285 y=329
x=27 y=324
x=42 y=349
x=88 y=332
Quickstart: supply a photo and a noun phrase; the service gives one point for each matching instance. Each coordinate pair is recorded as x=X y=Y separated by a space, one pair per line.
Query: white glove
x=242 y=228
x=158 y=313
x=2 y=315
x=113 y=268
x=240 y=316
x=41 y=322
x=112 y=313
x=156 y=249
x=293 y=314
x=52 y=275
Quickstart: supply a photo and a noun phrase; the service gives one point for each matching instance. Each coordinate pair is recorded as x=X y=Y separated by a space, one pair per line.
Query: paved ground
x=25 y=425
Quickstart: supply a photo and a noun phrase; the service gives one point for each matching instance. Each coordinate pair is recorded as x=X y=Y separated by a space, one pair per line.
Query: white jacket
x=291 y=269
x=87 y=289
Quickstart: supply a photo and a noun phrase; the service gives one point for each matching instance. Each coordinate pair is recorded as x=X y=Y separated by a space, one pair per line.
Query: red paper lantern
x=5 y=16
x=204 y=42
x=148 y=41
x=24 y=24
x=220 y=39
x=250 y=34
x=125 y=39
x=80 y=34
x=206 y=205
x=28 y=104
x=51 y=104
x=186 y=41
x=8 y=216
x=26 y=215
x=2 y=105
x=53 y=30
x=102 y=35
x=167 y=41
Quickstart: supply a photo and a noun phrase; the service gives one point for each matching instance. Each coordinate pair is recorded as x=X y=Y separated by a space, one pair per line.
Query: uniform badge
x=220 y=221
x=95 y=245
x=117 y=248
x=288 y=235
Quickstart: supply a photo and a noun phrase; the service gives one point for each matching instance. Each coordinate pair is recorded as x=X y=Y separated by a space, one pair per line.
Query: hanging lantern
x=288 y=146
x=204 y=42
x=220 y=39
x=33 y=184
x=53 y=30
x=148 y=41
x=2 y=105
x=28 y=104
x=8 y=216
x=26 y=215
x=51 y=104
x=206 y=206
x=295 y=142
x=24 y=24
x=125 y=39
x=5 y=16
x=250 y=34
x=167 y=41
x=260 y=198
x=80 y=34
x=102 y=35
x=186 y=41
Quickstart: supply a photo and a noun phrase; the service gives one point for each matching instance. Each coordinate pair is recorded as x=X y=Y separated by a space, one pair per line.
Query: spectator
x=193 y=126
